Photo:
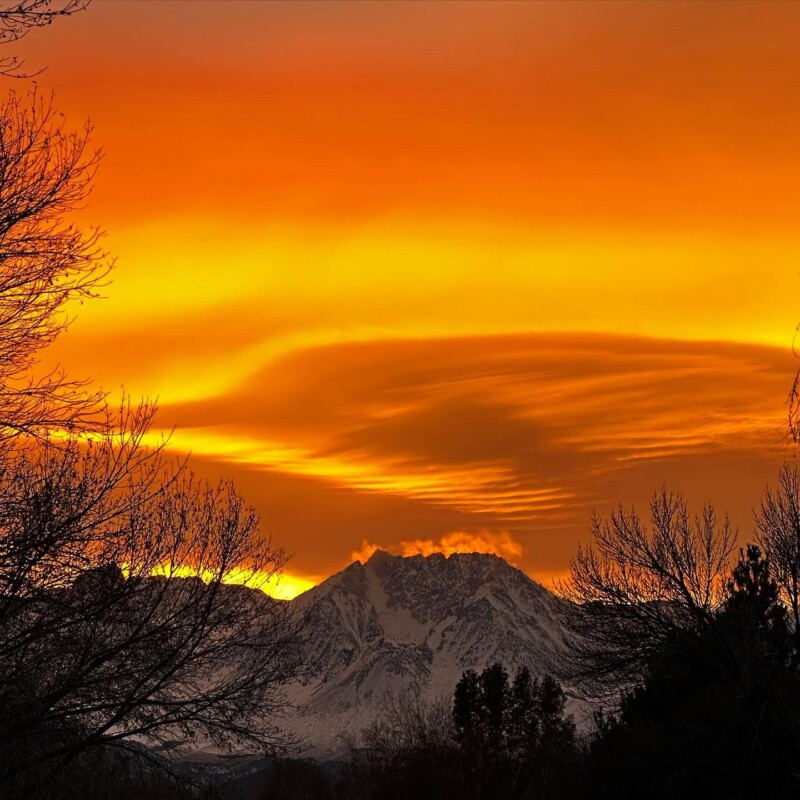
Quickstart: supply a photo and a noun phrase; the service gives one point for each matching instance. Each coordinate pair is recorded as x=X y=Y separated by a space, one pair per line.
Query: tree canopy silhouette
x=117 y=626
x=498 y=738
x=514 y=738
x=46 y=262
x=101 y=637
x=637 y=585
x=778 y=533
x=695 y=658
x=716 y=712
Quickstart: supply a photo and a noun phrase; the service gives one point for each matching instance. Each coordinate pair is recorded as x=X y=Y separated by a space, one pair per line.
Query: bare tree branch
x=778 y=534
x=94 y=643
x=46 y=262
x=17 y=19
x=636 y=585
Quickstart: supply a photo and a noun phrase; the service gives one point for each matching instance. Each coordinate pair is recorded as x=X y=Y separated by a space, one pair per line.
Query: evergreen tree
x=514 y=739
x=523 y=721
x=466 y=703
x=755 y=604
x=717 y=712
x=493 y=711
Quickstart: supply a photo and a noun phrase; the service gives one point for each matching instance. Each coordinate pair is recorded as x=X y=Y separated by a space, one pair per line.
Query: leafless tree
x=637 y=585
x=410 y=736
x=118 y=625
x=778 y=534
x=46 y=261
x=105 y=636
x=407 y=722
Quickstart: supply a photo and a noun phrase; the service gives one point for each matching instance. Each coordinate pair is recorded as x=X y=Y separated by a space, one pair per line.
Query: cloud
x=510 y=427
x=499 y=543
x=408 y=441
x=367 y=550
x=329 y=332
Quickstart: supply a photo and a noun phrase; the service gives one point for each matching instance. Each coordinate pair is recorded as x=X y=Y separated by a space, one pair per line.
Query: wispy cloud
x=499 y=543
x=517 y=436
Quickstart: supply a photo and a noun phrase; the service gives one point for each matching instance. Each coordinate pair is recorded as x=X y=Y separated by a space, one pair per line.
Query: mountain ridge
x=396 y=623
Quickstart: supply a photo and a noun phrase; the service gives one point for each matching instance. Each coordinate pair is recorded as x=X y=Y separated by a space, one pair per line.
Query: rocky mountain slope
x=394 y=623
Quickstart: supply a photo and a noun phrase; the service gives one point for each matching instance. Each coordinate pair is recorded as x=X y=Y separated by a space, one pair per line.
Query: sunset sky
x=445 y=275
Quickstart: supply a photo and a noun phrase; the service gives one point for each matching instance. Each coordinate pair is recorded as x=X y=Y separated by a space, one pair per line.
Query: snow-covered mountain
x=395 y=623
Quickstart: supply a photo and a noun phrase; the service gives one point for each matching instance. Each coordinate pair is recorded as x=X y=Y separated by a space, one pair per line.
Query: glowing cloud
x=367 y=550
x=356 y=294
x=499 y=543
x=281 y=586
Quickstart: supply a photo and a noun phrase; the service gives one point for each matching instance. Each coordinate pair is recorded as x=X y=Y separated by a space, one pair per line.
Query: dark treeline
x=501 y=737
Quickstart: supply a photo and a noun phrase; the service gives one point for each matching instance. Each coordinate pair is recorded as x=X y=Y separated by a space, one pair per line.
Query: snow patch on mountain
x=395 y=623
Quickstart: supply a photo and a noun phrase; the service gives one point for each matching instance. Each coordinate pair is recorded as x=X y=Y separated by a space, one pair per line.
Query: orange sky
x=437 y=275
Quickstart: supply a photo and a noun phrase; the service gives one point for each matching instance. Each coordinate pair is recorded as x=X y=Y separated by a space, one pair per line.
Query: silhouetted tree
x=636 y=587
x=407 y=722
x=20 y=17
x=116 y=623
x=754 y=601
x=493 y=710
x=409 y=750
x=466 y=705
x=45 y=262
x=778 y=534
x=498 y=740
x=717 y=712
x=514 y=739
x=103 y=637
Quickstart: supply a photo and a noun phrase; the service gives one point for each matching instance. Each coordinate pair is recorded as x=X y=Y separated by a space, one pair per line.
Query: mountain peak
x=380 y=557
x=397 y=622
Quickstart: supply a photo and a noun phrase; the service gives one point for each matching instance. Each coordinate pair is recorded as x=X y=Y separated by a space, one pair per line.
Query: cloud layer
x=509 y=441
x=351 y=237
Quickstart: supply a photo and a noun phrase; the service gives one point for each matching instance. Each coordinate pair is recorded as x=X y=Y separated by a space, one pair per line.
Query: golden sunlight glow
x=496 y=543
x=445 y=298
x=281 y=586
x=480 y=489
x=309 y=279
